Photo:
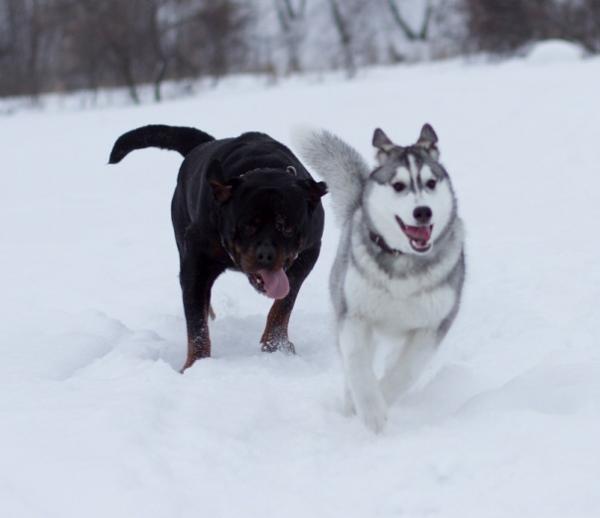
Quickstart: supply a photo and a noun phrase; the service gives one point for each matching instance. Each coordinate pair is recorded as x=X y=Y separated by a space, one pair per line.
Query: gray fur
x=397 y=156
x=347 y=174
x=428 y=140
x=428 y=137
x=381 y=140
x=338 y=273
x=363 y=268
x=406 y=265
x=340 y=165
x=455 y=279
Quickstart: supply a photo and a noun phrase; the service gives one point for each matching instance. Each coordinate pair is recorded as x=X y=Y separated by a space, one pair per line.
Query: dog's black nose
x=422 y=214
x=265 y=254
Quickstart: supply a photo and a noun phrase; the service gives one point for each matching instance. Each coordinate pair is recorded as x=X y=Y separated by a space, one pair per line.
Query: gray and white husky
x=399 y=269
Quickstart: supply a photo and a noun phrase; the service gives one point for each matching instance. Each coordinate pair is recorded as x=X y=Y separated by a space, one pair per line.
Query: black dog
x=244 y=203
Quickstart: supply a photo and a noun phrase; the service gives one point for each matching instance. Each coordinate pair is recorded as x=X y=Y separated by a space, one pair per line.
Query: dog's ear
x=428 y=141
x=383 y=144
x=381 y=140
x=222 y=190
x=315 y=190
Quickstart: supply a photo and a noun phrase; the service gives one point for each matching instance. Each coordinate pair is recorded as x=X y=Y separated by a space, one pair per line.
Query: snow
x=554 y=51
x=96 y=421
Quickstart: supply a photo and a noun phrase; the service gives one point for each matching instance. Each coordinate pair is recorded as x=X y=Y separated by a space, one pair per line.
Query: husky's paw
x=270 y=346
x=374 y=415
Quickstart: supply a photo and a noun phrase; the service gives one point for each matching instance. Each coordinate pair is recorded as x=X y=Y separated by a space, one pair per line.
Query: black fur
x=175 y=138
x=235 y=199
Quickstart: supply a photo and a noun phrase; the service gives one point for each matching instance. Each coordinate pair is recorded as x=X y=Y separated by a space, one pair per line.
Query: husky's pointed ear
x=222 y=189
x=383 y=144
x=428 y=141
x=381 y=140
x=315 y=190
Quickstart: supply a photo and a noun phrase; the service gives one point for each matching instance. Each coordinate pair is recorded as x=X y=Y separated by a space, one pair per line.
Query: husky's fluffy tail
x=175 y=138
x=339 y=164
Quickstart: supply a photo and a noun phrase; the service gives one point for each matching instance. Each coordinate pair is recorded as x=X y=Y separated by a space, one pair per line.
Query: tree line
x=66 y=45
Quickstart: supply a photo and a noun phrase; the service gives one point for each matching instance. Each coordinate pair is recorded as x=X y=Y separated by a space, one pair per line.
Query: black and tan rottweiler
x=246 y=204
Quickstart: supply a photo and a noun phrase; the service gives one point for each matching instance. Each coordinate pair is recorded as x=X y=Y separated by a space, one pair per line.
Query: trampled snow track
x=95 y=420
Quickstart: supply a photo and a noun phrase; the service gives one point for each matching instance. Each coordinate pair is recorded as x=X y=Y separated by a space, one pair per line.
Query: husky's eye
x=399 y=186
x=431 y=184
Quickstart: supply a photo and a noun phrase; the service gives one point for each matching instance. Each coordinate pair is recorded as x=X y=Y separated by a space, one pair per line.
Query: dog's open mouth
x=418 y=237
x=273 y=283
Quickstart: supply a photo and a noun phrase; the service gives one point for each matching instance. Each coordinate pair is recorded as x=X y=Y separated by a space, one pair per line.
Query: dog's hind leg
x=357 y=350
x=275 y=336
x=402 y=374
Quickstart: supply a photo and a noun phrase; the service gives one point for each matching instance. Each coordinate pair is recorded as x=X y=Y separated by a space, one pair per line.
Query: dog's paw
x=374 y=414
x=188 y=363
x=285 y=346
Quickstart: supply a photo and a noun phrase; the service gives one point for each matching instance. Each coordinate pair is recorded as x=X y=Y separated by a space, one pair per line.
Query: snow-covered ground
x=95 y=420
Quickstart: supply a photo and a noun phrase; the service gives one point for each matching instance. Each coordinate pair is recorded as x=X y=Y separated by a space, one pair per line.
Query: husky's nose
x=265 y=255
x=422 y=214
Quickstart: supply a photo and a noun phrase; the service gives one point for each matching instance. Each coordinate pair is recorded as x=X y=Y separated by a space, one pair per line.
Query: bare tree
x=580 y=22
x=216 y=43
x=57 y=45
x=28 y=35
x=344 y=31
x=291 y=15
x=504 y=26
x=148 y=41
x=411 y=34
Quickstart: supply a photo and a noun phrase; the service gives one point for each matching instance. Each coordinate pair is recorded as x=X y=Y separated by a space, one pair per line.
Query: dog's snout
x=422 y=214
x=265 y=254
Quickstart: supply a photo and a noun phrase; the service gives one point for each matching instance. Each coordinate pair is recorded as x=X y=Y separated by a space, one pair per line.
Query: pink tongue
x=418 y=233
x=276 y=283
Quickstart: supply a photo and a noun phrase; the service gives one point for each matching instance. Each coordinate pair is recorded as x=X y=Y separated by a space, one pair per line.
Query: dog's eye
x=249 y=230
x=280 y=225
x=287 y=231
x=399 y=186
x=431 y=184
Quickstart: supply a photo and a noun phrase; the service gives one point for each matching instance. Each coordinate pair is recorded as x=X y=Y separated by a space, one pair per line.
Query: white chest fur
x=400 y=303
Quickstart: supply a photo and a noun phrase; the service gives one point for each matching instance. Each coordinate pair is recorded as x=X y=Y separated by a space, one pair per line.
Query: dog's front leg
x=197 y=277
x=400 y=375
x=357 y=350
x=275 y=335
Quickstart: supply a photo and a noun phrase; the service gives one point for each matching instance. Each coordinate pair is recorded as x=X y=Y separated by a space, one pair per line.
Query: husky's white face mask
x=409 y=199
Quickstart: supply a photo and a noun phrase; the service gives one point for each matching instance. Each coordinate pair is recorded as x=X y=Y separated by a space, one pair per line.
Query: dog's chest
x=397 y=305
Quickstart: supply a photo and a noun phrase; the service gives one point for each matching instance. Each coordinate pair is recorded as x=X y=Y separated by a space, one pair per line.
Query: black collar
x=380 y=242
